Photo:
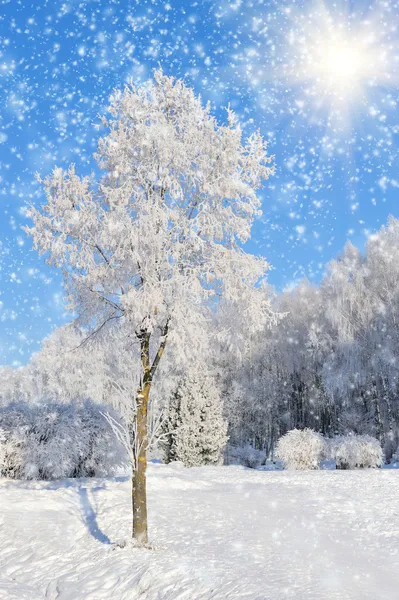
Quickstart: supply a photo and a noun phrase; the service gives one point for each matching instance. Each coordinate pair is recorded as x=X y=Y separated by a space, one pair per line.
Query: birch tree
x=155 y=242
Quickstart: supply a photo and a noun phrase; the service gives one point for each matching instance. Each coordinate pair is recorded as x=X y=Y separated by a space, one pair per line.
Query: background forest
x=329 y=362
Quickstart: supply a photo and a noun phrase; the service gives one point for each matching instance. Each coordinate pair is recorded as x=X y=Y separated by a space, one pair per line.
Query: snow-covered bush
x=356 y=452
x=247 y=455
x=11 y=455
x=54 y=441
x=194 y=430
x=301 y=449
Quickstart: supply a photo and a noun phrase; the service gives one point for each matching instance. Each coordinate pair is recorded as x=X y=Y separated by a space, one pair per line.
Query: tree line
x=332 y=361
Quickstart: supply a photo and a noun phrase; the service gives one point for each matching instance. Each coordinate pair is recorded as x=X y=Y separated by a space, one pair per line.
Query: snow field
x=219 y=533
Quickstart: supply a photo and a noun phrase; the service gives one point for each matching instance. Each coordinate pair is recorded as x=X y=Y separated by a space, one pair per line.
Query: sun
x=338 y=64
x=336 y=58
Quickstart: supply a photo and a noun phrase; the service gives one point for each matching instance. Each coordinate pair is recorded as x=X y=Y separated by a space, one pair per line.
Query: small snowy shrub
x=54 y=441
x=356 y=452
x=301 y=449
x=247 y=456
x=12 y=455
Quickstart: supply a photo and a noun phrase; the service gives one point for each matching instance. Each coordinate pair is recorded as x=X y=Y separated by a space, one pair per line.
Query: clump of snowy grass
x=301 y=449
x=356 y=452
x=57 y=441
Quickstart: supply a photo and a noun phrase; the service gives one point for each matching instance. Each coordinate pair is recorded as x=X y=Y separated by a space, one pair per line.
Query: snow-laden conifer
x=194 y=429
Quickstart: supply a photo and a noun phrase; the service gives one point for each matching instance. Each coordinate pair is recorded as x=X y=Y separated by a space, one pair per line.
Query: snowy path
x=222 y=533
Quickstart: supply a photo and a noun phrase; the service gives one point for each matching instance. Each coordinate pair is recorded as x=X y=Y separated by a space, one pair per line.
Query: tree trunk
x=390 y=442
x=140 y=441
x=139 y=482
x=379 y=427
x=342 y=465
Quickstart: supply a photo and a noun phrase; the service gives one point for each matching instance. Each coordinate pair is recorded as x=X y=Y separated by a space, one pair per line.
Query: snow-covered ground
x=219 y=533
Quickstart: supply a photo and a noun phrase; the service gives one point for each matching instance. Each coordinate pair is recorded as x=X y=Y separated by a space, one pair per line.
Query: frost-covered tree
x=277 y=386
x=331 y=363
x=194 y=429
x=360 y=373
x=156 y=243
x=66 y=370
x=12 y=384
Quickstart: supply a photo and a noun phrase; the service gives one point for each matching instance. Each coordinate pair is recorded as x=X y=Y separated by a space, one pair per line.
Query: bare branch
x=96 y=331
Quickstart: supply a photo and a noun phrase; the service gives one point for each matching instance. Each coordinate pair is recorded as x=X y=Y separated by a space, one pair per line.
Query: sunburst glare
x=336 y=61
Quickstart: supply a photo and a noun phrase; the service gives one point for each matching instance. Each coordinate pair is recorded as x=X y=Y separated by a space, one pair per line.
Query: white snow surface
x=218 y=533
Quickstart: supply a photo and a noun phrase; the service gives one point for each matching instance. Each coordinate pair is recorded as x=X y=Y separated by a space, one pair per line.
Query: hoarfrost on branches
x=56 y=441
x=301 y=449
x=356 y=452
x=159 y=236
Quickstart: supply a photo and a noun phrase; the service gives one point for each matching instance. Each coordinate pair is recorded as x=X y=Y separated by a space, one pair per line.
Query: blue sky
x=319 y=80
